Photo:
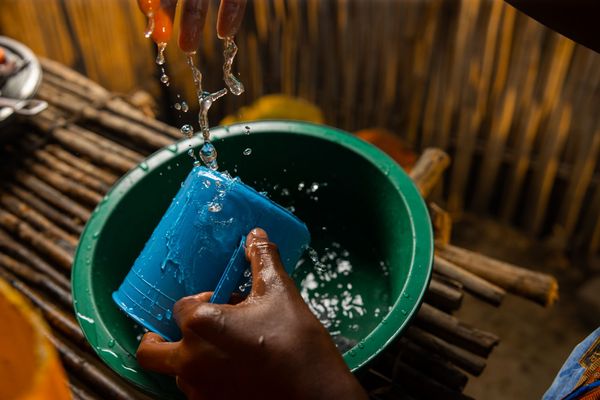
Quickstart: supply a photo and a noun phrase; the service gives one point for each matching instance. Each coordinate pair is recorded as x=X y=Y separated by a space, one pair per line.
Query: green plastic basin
x=365 y=204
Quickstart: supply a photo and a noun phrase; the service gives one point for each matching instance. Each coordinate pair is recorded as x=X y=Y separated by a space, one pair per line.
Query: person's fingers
x=236 y=298
x=229 y=19
x=163 y=21
x=193 y=16
x=264 y=259
x=196 y=314
x=186 y=305
x=155 y=354
x=149 y=7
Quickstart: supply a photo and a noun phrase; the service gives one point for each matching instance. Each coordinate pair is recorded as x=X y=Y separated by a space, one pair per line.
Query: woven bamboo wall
x=514 y=103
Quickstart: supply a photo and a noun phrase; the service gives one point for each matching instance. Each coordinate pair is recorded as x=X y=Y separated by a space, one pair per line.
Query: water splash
x=235 y=86
x=149 y=26
x=187 y=130
x=160 y=57
x=208 y=155
x=196 y=75
x=206 y=101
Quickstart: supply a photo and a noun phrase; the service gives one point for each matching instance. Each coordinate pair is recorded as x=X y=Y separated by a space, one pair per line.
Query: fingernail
x=258 y=233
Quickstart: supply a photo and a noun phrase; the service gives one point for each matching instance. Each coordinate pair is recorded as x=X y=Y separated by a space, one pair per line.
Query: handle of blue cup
x=232 y=275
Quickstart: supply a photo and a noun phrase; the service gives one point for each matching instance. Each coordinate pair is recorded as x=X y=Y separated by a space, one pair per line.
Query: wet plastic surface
x=369 y=204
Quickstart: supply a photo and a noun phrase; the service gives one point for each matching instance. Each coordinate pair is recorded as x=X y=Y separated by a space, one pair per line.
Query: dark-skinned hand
x=193 y=17
x=268 y=346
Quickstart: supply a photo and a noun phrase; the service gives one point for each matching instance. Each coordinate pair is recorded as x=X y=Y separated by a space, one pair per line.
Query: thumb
x=264 y=260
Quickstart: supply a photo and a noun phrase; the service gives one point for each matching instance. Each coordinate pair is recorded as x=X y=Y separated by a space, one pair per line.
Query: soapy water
x=335 y=285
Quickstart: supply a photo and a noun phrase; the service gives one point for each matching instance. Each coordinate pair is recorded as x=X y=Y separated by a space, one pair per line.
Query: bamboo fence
x=514 y=103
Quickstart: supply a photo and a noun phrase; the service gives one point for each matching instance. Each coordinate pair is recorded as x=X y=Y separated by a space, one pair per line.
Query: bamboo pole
x=23 y=271
x=443 y=296
x=31 y=216
x=539 y=287
x=70 y=172
x=453 y=330
x=12 y=247
x=52 y=195
x=49 y=212
x=139 y=134
x=433 y=364
x=473 y=283
x=57 y=318
x=26 y=233
x=64 y=185
x=420 y=384
x=470 y=362
x=79 y=392
x=77 y=365
x=428 y=170
x=76 y=162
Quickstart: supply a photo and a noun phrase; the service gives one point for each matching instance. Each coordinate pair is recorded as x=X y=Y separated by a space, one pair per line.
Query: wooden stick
x=52 y=195
x=79 y=393
x=107 y=144
x=134 y=132
x=60 y=321
x=473 y=283
x=432 y=364
x=52 y=214
x=16 y=249
x=65 y=185
x=26 y=233
x=25 y=272
x=60 y=130
x=64 y=78
x=428 y=169
x=77 y=162
x=88 y=372
x=420 y=384
x=539 y=287
x=442 y=224
x=30 y=215
x=453 y=330
x=462 y=358
x=70 y=172
x=443 y=296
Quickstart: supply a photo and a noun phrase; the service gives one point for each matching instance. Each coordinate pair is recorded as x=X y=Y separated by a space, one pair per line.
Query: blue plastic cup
x=198 y=246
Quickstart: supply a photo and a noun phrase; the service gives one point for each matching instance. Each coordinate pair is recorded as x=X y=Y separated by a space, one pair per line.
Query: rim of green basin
x=403 y=309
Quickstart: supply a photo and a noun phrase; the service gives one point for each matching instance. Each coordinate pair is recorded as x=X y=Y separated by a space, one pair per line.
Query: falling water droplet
x=111 y=343
x=149 y=26
x=248 y=151
x=184 y=106
x=160 y=57
x=143 y=166
x=177 y=106
x=208 y=155
x=235 y=86
x=164 y=79
x=247 y=130
x=187 y=130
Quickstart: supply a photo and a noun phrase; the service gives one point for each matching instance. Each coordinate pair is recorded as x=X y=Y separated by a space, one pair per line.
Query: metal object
x=22 y=84
x=27 y=107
